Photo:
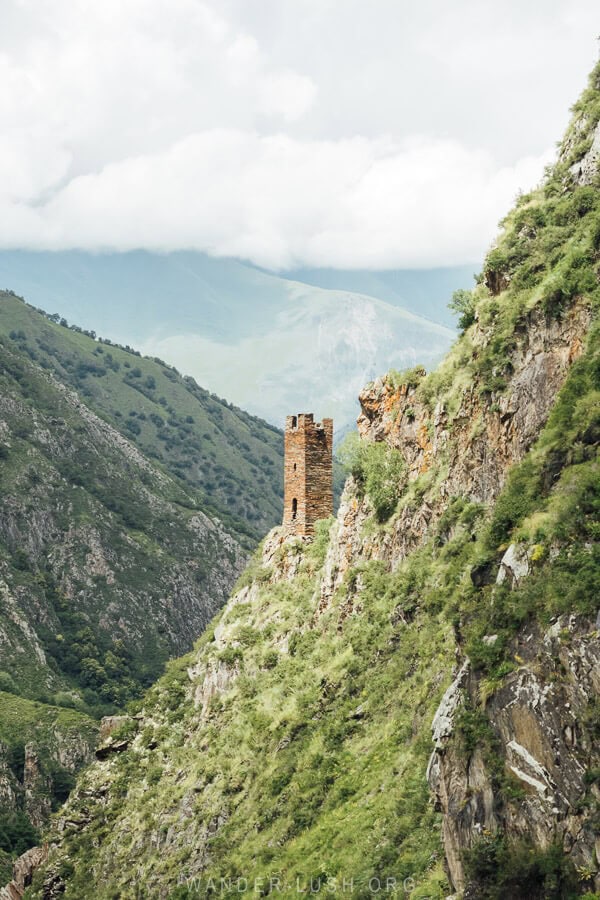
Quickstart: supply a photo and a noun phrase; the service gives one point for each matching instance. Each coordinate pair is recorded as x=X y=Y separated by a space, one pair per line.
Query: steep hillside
x=107 y=565
x=454 y=597
x=125 y=516
x=215 y=450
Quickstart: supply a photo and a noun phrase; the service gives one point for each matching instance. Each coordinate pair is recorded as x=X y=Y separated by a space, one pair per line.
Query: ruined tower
x=308 y=472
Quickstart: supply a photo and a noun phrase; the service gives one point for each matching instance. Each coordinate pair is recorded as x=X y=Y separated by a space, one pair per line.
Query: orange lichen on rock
x=425 y=444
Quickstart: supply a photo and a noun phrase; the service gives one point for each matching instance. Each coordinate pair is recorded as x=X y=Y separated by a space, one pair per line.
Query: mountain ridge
x=205 y=314
x=196 y=435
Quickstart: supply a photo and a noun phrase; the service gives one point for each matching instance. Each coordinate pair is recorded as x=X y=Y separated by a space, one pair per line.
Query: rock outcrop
x=585 y=170
x=23 y=870
x=543 y=720
x=35 y=769
x=475 y=444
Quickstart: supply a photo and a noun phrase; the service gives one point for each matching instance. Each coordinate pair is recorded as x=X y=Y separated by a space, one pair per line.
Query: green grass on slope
x=312 y=766
x=547 y=258
x=551 y=505
x=313 y=763
x=55 y=735
x=230 y=460
x=22 y=718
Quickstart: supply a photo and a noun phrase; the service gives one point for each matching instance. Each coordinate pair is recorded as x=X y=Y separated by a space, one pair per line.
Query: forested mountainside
x=126 y=515
x=216 y=451
x=413 y=698
x=109 y=566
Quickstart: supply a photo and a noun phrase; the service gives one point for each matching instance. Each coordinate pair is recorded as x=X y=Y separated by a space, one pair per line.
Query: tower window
x=294 y=467
x=294 y=508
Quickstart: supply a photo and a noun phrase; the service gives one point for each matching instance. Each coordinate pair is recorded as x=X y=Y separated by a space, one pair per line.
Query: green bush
x=379 y=471
x=7 y=683
x=63 y=783
x=67 y=700
x=6 y=867
x=17 y=834
x=230 y=655
x=472 y=728
x=21 y=560
x=409 y=377
x=317 y=550
x=497 y=869
x=463 y=305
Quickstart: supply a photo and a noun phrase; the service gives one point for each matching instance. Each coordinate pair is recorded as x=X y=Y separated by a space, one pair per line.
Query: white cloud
x=331 y=133
x=281 y=202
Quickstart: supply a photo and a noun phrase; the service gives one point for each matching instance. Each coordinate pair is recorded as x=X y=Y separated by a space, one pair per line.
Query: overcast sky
x=342 y=133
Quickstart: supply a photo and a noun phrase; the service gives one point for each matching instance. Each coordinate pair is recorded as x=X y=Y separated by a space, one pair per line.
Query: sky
x=288 y=133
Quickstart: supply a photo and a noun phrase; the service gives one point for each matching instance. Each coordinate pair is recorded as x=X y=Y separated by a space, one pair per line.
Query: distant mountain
x=270 y=343
x=425 y=292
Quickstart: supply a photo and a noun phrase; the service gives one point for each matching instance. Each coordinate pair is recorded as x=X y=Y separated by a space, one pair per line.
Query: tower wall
x=308 y=472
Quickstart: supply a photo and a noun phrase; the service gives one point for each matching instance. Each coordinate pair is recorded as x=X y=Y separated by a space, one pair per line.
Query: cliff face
x=463 y=444
x=543 y=721
x=42 y=749
x=539 y=723
x=52 y=750
x=412 y=698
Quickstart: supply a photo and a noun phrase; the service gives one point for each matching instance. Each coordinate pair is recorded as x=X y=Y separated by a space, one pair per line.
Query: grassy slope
x=315 y=758
x=313 y=762
x=546 y=258
x=60 y=739
x=22 y=718
x=216 y=450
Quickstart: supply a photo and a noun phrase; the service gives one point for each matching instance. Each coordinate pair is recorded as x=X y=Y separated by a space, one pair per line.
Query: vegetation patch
x=378 y=470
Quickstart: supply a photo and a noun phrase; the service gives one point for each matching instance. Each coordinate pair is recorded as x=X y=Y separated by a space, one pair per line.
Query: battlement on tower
x=308 y=472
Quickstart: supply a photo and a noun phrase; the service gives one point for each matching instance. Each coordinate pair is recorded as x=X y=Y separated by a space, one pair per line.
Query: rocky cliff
x=409 y=702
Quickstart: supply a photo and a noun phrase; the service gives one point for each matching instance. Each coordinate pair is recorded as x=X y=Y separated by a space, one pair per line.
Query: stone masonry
x=308 y=472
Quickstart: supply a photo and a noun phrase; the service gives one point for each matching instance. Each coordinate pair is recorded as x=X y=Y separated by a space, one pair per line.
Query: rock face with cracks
x=540 y=717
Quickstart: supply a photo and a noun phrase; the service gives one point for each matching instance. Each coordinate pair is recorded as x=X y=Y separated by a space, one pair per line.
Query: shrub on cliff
x=463 y=305
x=377 y=469
x=498 y=868
x=17 y=834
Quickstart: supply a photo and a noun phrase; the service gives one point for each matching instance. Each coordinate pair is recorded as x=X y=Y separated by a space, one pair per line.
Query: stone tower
x=308 y=472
